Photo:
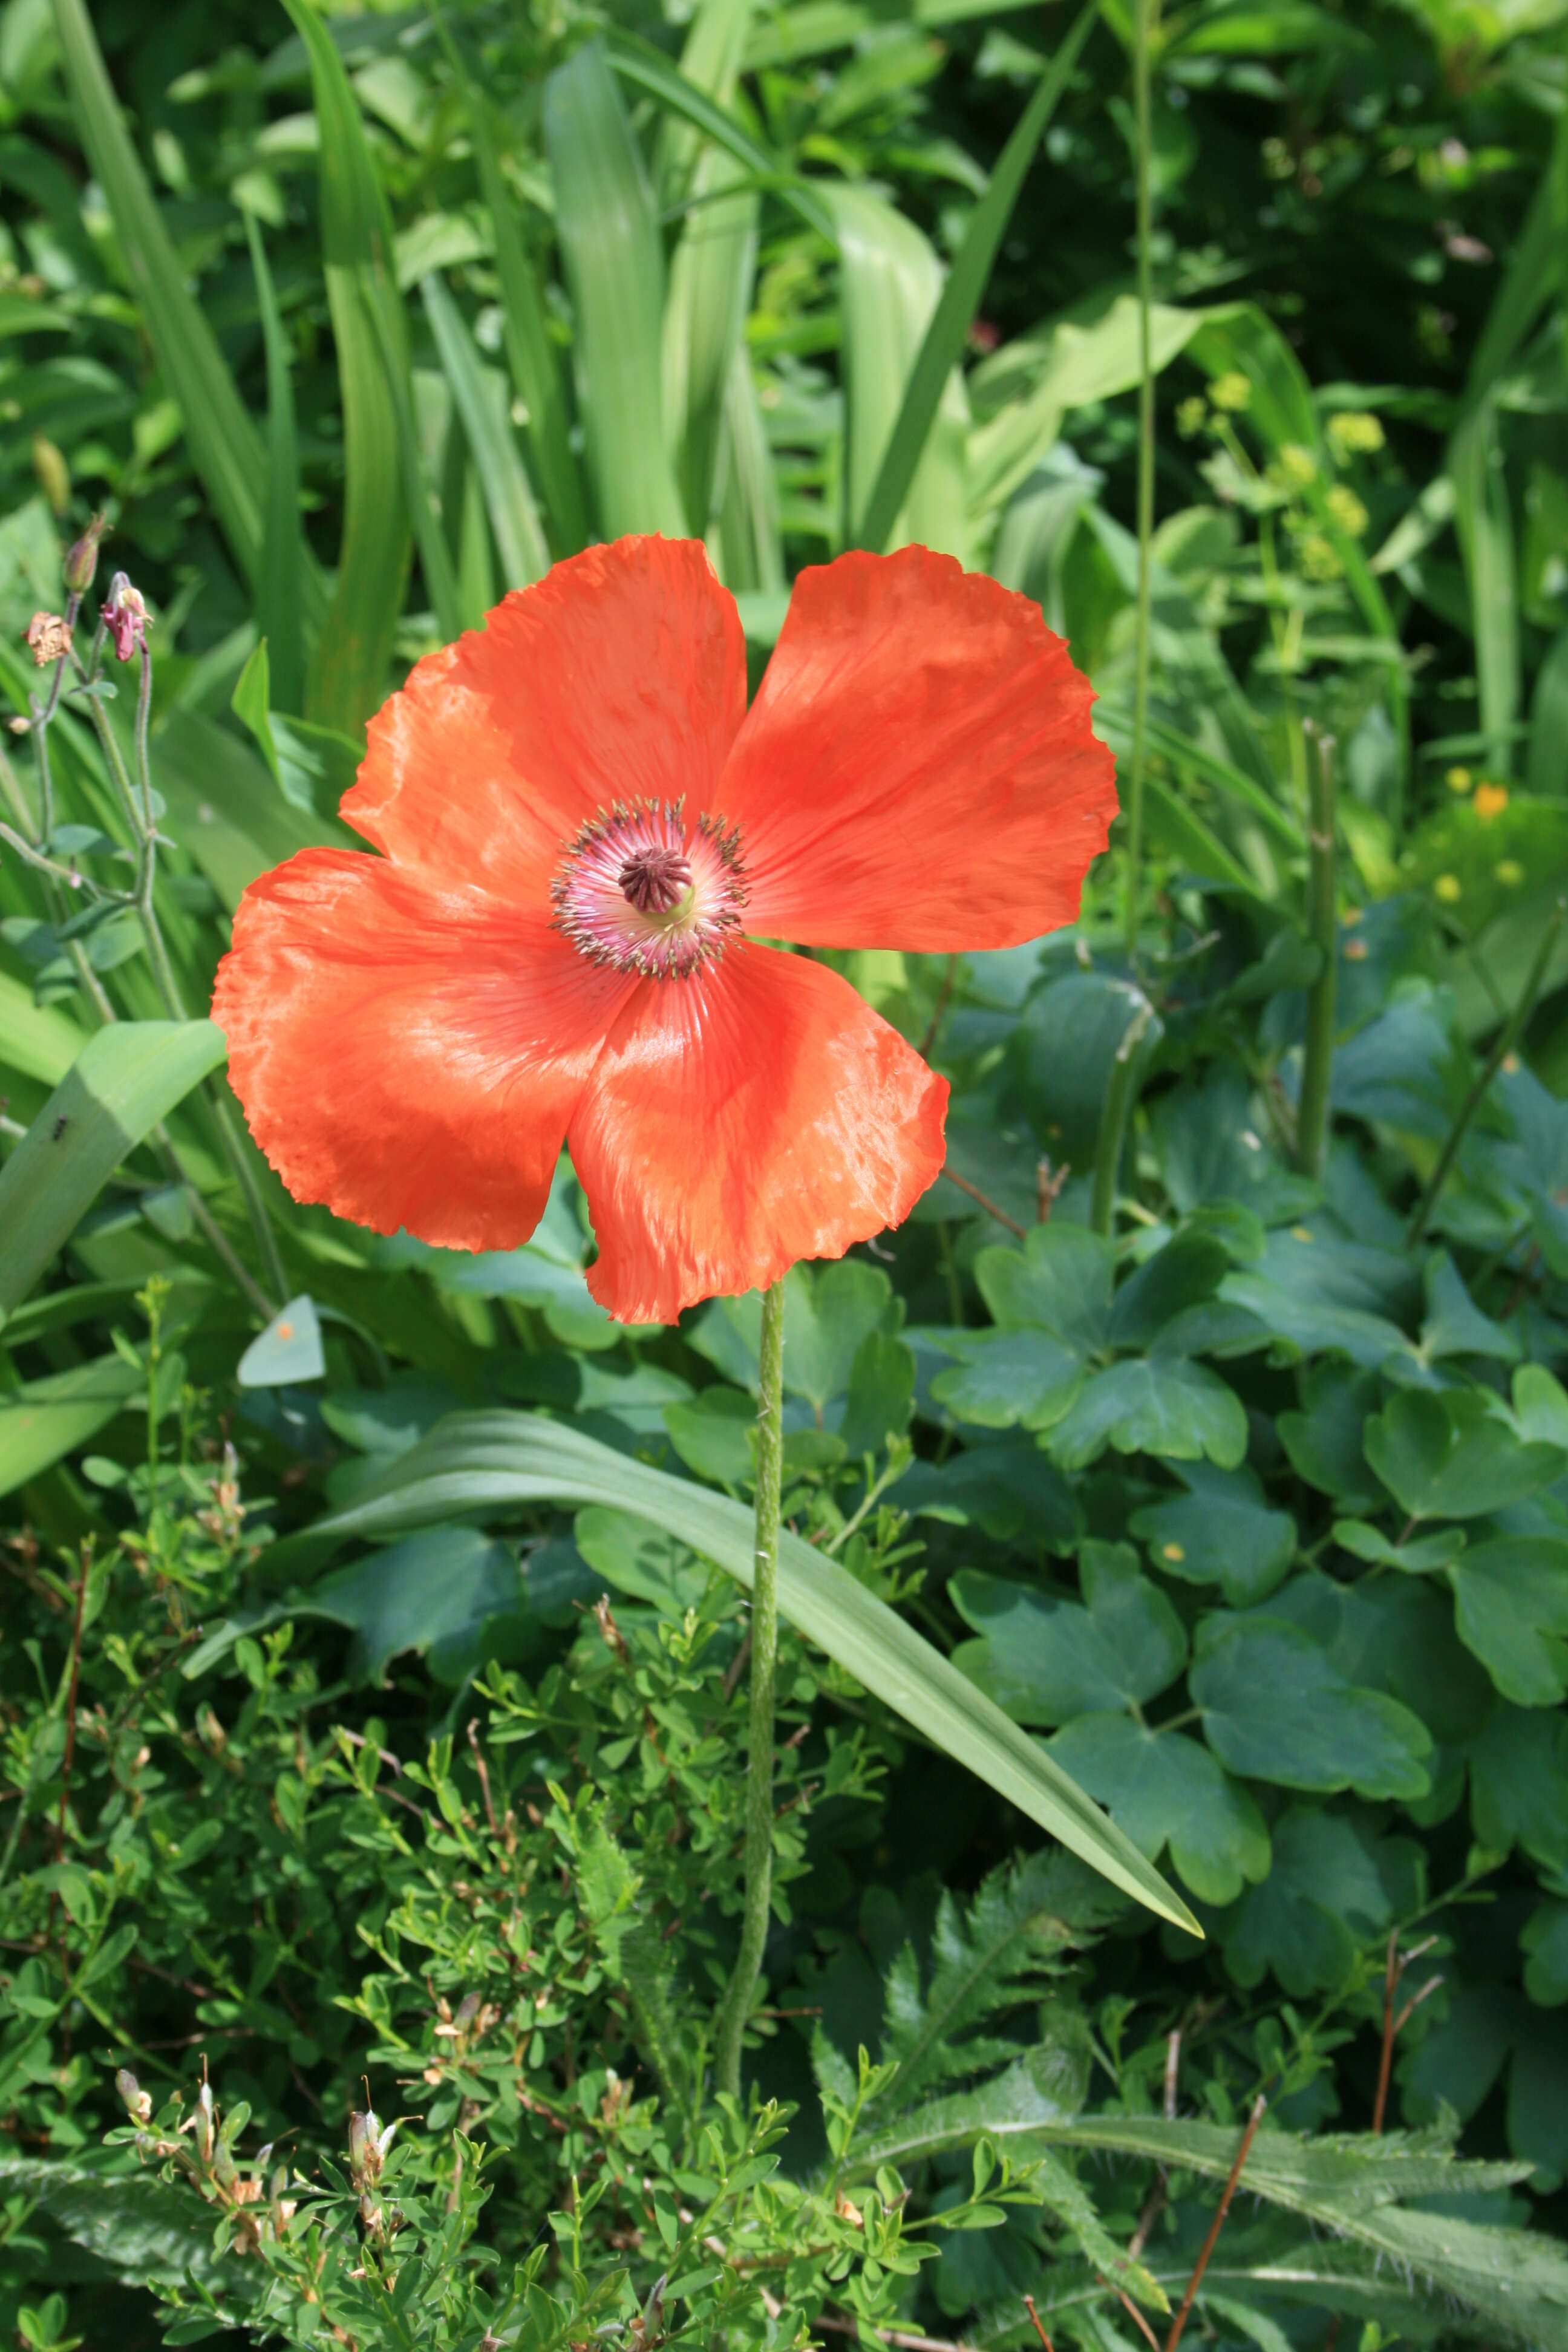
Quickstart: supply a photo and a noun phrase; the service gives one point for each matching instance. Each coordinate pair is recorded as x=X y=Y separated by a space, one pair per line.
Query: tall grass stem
x=1318 y=1055
x=1144 y=19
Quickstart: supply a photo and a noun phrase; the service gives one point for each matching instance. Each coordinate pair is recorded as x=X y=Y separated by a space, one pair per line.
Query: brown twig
x=70 y=1743
x=989 y=1206
x=1217 y=2225
x=1394 y=2023
x=484 y=1776
x=738 y=1665
x=1141 y=2323
x=893 y=2336
x=1035 y=2317
x=1173 y=2071
x=1047 y=1188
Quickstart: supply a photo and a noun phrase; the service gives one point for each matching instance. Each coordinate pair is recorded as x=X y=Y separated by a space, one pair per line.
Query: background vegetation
x=1208 y=1412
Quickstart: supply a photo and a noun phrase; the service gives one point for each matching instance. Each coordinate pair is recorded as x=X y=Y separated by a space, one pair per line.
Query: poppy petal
x=918 y=769
x=410 y=1059
x=755 y=1114
x=620 y=676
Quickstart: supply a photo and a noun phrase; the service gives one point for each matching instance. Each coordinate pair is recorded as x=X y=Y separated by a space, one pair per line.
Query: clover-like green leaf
x=1511 y=1606
x=1150 y=1404
x=1451 y=1455
x=1164 y=1789
x=1045 y=1659
x=1221 y=1531
x=1276 y=1707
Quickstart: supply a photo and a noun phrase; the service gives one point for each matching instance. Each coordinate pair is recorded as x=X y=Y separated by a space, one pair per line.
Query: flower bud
x=138 y=2102
x=125 y=615
x=80 y=565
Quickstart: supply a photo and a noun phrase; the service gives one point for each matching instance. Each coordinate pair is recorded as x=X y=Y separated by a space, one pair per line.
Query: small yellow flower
x=1509 y=873
x=1355 y=951
x=1459 y=779
x=1347 y=511
x=1297 y=467
x=1351 y=917
x=1231 y=390
x=1318 y=560
x=1447 y=888
x=1172 y=1551
x=1192 y=415
x=1490 y=800
x=1356 y=431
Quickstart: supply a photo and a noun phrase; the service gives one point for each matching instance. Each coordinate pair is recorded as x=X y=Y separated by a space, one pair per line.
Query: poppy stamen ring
x=638 y=891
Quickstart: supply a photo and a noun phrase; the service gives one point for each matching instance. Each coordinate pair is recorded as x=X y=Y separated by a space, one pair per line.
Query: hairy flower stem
x=1145 y=17
x=765 y=1652
x=1318 y=1056
x=1506 y=1038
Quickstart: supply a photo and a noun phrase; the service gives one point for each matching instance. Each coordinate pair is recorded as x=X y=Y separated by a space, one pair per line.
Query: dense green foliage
x=371 y=1697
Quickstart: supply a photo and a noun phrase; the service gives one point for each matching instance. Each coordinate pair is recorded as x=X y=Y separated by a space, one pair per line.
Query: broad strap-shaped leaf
x=47 y=1419
x=482 y=1462
x=223 y=441
x=348 y=676
x=125 y=1080
x=943 y=347
x=610 y=244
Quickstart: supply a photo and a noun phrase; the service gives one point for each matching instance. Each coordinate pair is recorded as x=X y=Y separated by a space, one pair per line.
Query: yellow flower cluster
x=1231 y=392
x=1354 y=432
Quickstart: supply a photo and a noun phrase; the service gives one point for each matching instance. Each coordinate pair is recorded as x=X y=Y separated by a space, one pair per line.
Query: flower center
x=656 y=880
x=635 y=890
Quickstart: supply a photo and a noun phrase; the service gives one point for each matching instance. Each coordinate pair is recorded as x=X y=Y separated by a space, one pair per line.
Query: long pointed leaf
x=966 y=280
x=348 y=678
x=284 y=556
x=223 y=441
x=125 y=1079
x=615 y=267
x=473 y=1461
x=635 y=61
x=530 y=356
x=509 y=498
x=704 y=318
x=891 y=289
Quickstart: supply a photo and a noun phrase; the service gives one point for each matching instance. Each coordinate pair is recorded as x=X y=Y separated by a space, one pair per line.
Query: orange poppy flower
x=584 y=832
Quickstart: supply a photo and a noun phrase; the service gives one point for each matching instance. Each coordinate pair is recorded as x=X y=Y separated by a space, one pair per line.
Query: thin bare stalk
x=1144 y=21
x=1113 y=1118
x=1218 y=2224
x=1506 y=1038
x=1318 y=1054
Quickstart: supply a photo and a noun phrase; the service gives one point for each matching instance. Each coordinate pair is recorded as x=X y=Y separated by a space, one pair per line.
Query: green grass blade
x=473 y=1461
x=942 y=348
x=532 y=356
x=349 y=675
x=891 y=291
x=635 y=62
x=125 y=1079
x=284 y=557
x=1547 y=772
x=224 y=447
x=509 y=498
x=709 y=61
x=1484 y=521
x=750 y=540
x=704 y=323
x=615 y=267
x=47 y=1419
x=436 y=559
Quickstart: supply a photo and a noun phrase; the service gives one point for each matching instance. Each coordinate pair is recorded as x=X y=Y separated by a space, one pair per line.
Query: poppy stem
x=755 y=1916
